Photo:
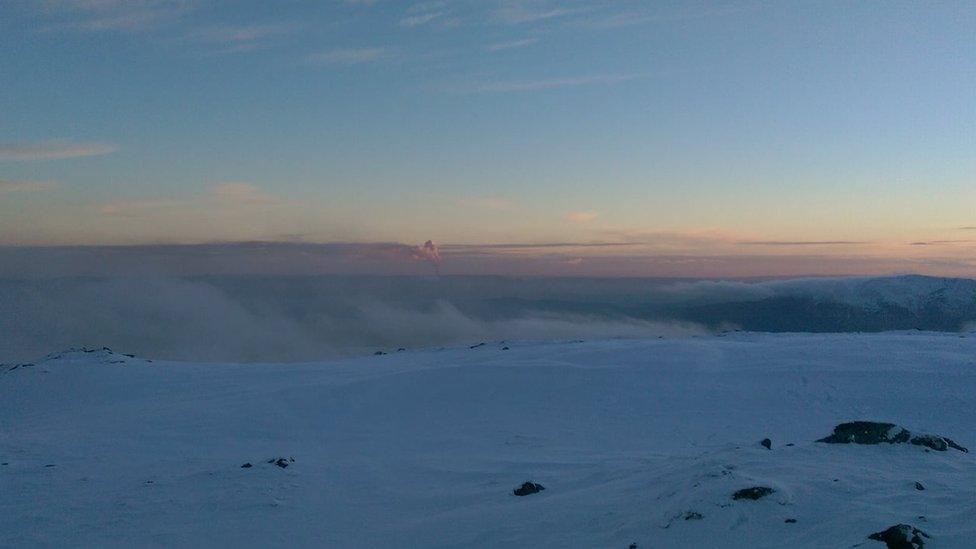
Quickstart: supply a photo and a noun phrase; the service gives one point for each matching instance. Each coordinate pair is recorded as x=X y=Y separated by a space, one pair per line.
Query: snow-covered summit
x=655 y=443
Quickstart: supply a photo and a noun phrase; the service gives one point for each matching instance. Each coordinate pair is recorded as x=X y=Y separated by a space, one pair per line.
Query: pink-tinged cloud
x=238 y=192
x=429 y=252
x=392 y=252
x=13 y=186
x=581 y=217
x=485 y=202
x=52 y=150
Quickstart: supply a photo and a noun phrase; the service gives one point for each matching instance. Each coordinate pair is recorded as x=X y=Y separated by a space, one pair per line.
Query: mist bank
x=298 y=318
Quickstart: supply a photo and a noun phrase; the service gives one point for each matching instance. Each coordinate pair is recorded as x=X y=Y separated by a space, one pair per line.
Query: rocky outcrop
x=901 y=536
x=874 y=432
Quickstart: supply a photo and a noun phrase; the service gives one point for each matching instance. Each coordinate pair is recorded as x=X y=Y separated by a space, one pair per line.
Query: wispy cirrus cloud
x=419 y=19
x=25 y=185
x=227 y=195
x=788 y=243
x=349 y=56
x=519 y=12
x=238 y=38
x=485 y=202
x=237 y=192
x=661 y=14
x=511 y=44
x=943 y=242
x=514 y=86
x=115 y=15
x=136 y=208
x=52 y=150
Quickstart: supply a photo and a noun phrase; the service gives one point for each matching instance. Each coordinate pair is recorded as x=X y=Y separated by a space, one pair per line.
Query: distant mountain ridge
x=847 y=305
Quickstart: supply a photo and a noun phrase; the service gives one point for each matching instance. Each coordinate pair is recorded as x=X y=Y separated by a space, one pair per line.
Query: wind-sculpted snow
x=640 y=443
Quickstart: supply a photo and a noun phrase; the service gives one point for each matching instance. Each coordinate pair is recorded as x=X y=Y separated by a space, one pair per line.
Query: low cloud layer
x=289 y=318
x=275 y=319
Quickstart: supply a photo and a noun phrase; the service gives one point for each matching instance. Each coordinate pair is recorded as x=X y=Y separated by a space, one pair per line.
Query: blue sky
x=786 y=129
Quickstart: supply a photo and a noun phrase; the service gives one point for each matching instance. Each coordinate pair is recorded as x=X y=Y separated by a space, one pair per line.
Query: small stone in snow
x=693 y=515
x=767 y=444
x=790 y=521
x=246 y=466
x=528 y=488
x=755 y=492
x=918 y=486
x=281 y=462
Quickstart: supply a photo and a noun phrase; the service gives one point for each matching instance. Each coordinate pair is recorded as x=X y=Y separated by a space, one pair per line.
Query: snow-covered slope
x=634 y=441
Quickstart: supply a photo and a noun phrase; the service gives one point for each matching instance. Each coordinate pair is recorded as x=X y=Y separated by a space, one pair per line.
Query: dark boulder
x=901 y=536
x=528 y=488
x=918 y=486
x=246 y=466
x=755 y=492
x=766 y=443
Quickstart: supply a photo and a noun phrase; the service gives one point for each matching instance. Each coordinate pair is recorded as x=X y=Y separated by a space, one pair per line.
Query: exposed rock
x=867 y=432
x=767 y=444
x=937 y=443
x=379 y=353
x=693 y=515
x=873 y=432
x=528 y=488
x=918 y=486
x=246 y=466
x=755 y=492
x=482 y=344
x=281 y=462
x=790 y=521
x=901 y=536
x=504 y=348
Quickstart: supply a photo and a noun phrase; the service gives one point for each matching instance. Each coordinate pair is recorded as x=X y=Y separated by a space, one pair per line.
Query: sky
x=601 y=138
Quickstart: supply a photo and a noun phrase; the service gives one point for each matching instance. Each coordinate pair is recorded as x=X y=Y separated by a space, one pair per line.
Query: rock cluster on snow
x=873 y=432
